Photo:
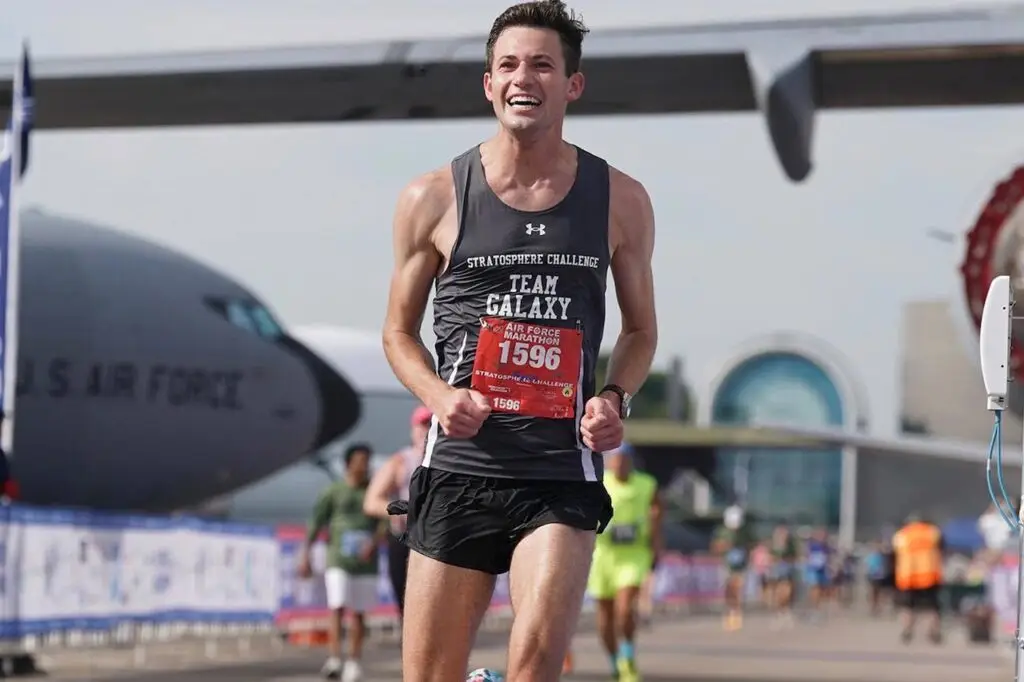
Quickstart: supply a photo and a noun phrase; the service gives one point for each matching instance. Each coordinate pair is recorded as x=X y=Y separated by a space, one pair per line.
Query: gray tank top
x=519 y=315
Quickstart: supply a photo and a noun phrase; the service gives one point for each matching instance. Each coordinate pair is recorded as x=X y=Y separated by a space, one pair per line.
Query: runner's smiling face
x=527 y=83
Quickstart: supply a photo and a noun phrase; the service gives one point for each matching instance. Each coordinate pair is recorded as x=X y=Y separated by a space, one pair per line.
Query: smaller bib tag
x=528 y=369
x=353 y=541
x=736 y=557
x=623 y=535
x=817 y=560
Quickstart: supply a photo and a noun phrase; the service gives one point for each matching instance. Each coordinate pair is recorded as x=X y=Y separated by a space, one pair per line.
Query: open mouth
x=523 y=102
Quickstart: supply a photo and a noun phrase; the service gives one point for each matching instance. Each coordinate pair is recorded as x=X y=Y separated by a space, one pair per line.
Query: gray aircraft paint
x=287 y=496
x=137 y=392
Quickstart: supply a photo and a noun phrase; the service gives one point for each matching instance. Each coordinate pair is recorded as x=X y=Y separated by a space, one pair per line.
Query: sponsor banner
x=1001 y=590
x=80 y=570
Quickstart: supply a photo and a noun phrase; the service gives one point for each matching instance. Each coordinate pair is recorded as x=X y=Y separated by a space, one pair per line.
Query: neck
x=351 y=480
x=529 y=156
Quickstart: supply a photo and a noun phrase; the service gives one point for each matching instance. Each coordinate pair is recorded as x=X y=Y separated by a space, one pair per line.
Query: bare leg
x=647 y=599
x=358 y=634
x=909 y=618
x=547 y=582
x=335 y=633
x=444 y=607
x=625 y=613
x=606 y=625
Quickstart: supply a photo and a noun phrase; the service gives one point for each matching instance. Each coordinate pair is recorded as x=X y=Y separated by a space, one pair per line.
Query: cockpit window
x=248 y=315
x=266 y=325
x=239 y=316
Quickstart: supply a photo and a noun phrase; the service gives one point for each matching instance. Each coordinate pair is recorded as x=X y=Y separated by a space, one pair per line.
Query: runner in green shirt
x=352 y=575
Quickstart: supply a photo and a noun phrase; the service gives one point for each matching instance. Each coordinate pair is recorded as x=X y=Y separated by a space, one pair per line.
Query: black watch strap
x=619 y=391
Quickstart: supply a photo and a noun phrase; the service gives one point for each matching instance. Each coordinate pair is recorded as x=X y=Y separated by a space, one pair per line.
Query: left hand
x=601 y=426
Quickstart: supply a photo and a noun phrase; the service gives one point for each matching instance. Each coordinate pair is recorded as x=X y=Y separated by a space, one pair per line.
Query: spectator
x=351 y=577
x=391 y=482
x=919 y=546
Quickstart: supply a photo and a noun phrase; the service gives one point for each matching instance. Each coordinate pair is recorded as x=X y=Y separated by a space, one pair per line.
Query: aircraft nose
x=340 y=407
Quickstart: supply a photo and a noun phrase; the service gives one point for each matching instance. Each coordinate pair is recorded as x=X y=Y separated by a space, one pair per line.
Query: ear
x=576 y=84
x=487 y=86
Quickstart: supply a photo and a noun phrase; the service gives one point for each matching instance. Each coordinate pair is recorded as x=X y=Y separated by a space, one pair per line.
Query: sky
x=302 y=215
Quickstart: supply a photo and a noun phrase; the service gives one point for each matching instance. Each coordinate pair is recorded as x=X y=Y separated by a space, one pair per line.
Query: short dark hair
x=354 y=449
x=550 y=14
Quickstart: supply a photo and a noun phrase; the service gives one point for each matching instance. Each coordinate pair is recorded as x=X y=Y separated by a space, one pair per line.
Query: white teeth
x=521 y=101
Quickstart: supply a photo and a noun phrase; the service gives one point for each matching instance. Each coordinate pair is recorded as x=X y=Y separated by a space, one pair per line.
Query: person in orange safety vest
x=918 y=548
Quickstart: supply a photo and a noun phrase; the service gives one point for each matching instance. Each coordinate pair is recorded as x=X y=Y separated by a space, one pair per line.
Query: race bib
x=736 y=557
x=817 y=560
x=623 y=535
x=528 y=369
x=353 y=541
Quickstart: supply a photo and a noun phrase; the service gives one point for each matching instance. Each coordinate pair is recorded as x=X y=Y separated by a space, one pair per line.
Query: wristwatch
x=625 y=399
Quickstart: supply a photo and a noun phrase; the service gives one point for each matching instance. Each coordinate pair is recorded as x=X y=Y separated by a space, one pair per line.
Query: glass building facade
x=800 y=486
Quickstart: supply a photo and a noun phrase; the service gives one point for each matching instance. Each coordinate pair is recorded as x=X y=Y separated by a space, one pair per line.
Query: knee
x=540 y=659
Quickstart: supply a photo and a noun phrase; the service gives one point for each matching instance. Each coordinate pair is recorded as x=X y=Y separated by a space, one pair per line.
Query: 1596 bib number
x=535 y=355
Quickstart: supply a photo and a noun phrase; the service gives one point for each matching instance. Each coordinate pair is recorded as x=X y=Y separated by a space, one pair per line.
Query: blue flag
x=13 y=163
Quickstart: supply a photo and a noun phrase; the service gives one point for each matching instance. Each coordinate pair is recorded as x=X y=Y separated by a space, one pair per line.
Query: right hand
x=462 y=413
x=305 y=570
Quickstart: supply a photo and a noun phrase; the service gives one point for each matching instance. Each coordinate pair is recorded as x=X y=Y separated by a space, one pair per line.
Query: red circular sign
x=978 y=268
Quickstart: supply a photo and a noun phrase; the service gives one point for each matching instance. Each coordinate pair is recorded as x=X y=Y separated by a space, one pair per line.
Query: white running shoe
x=332 y=668
x=353 y=672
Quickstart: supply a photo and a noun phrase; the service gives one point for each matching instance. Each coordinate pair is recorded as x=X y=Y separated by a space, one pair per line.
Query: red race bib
x=528 y=369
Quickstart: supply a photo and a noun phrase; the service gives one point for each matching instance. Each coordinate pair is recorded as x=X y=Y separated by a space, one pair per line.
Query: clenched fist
x=601 y=426
x=462 y=413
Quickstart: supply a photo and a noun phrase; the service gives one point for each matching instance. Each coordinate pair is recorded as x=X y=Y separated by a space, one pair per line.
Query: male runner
x=919 y=548
x=351 y=577
x=623 y=558
x=733 y=541
x=784 y=555
x=391 y=482
x=516 y=236
x=817 y=575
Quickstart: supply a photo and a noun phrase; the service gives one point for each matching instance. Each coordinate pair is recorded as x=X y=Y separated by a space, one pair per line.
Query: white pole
x=1017 y=635
x=10 y=342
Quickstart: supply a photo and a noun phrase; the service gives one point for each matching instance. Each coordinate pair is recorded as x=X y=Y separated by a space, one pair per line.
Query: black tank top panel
x=539 y=268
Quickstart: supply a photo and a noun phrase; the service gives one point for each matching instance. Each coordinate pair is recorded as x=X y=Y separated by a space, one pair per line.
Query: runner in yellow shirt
x=623 y=558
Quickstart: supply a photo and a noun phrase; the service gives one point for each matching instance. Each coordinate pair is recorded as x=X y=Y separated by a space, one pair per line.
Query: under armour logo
x=535 y=229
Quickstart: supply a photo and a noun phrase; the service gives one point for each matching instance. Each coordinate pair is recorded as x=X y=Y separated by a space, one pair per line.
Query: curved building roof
x=737 y=373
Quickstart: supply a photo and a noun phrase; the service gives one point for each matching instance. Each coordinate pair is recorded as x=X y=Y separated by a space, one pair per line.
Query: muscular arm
x=633 y=249
x=421 y=207
x=382 y=489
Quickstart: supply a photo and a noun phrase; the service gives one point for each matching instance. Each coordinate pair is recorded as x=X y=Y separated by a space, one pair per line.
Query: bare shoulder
x=426 y=199
x=632 y=214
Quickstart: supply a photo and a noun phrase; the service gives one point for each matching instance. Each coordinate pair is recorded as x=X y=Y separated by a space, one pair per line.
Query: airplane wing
x=662 y=433
x=921 y=446
x=785 y=69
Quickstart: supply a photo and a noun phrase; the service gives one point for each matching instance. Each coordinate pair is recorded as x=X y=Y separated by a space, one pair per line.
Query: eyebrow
x=533 y=57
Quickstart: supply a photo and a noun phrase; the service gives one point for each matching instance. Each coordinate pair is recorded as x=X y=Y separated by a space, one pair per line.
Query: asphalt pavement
x=844 y=647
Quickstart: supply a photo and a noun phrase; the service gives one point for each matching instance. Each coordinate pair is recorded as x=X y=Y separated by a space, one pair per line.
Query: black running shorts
x=475 y=522
x=926 y=599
